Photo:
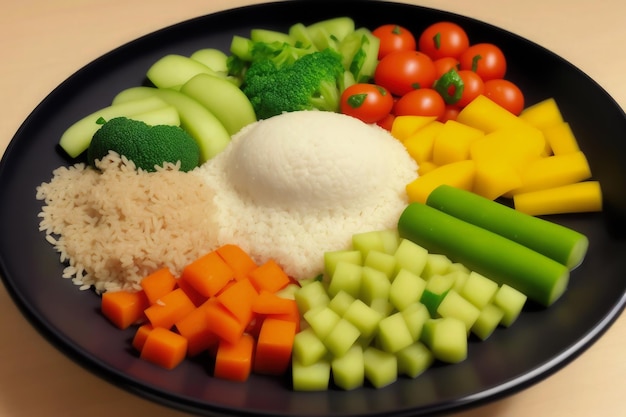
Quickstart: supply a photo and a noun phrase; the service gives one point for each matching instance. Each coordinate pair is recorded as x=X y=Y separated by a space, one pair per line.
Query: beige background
x=42 y=42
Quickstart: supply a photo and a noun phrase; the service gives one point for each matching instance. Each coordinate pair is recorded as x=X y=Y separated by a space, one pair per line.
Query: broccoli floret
x=147 y=146
x=310 y=82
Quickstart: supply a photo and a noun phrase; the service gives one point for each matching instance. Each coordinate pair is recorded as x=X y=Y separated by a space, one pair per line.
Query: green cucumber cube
x=381 y=261
x=436 y=289
x=460 y=278
x=347 y=277
x=382 y=305
x=415 y=316
x=332 y=258
x=381 y=368
x=310 y=296
x=393 y=333
x=348 y=371
x=314 y=377
x=307 y=347
x=367 y=241
x=406 y=289
x=436 y=264
x=490 y=316
x=374 y=284
x=341 y=338
x=391 y=240
x=414 y=359
x=457 y=266
x=479 y=289
x=511 y=301
x=410 y=256
x=446 y=338
x=454 y=305
x=363 y=317
x=341 y=302
x=322 y=320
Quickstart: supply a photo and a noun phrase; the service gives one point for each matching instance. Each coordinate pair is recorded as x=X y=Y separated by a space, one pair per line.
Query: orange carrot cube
x=157 y=284
x=269 y=277
x=164 y=348
x=274 y=346
x=233 y=361
x=240 y=262
x=208 y=274
x=124 y=308
x=169 y=309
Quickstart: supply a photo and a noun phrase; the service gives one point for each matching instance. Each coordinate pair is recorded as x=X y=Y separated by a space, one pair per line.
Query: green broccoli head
x=147 y=146
x=311 y=82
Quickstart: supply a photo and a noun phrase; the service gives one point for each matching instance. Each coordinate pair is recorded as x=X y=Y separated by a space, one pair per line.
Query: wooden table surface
x=42 y=42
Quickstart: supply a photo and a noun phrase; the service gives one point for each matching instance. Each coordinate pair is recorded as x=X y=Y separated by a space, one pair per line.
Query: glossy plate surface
x=539 y=343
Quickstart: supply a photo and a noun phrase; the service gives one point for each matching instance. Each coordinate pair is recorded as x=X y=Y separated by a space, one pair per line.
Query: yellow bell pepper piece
x=561 y=138
x=580 y=197
x=484 y=114
x=405 y=126
x=453 y=142
x=457 y=174
x=544 y=114
x=420 y=144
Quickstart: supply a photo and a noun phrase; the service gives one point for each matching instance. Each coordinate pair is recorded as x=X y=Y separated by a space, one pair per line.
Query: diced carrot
x=269 y=276
x=270 y=303
x=169 y=309
x=141 y=335
x=233 y=361
x=158 y=283
x=165 y=348
x=195 y=328
x=124 y=308
x=238 y=298
x=196 y=298
x=239 y=261
x=222 y=323
x=208 y=274
x=274 y=347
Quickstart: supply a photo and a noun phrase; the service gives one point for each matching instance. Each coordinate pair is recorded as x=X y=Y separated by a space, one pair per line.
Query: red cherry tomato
x=486 y=59
x=473 y=86
x=443 y=39
x=506 y=94
x=450 y=113
x=394 y=38
x=404 y=71
x=443 y=65
x=367 y=102
x=420 y=102
x=387 y=122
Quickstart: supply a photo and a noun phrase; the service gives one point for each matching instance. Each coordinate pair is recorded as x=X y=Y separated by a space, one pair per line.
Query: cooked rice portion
x=116 y=226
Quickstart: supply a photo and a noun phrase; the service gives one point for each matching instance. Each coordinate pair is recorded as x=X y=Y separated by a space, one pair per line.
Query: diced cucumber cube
x=310 y=296
x=410 y=256
x=406 y=288
x=332 y=258
x=436 y=289
x=374 y=284
x=455 y=306
x=457 y=266
x=460 y=277
x=446 y=338
x=415 y=316
x=382 y=305
x=314 y=377
x=307 y=347
x=511 y=301
x=436 y=264
x=479 y=289
x=381 y=261
x=289 y=292
x=391 y=240
x=322 y=320
x=363 y=317
x=341 y=338
x=341 y=302
x=381 y=368
x=393 y=333
x=414 y=359
x=488 y=320
x=348 y=371
x=367 y=241
x=347 y=277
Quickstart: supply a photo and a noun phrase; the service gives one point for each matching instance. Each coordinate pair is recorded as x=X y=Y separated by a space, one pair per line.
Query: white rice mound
x=115 y=227
x=294 y=186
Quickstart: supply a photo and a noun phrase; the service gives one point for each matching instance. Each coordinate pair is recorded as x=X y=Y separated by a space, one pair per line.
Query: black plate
x=540 y=342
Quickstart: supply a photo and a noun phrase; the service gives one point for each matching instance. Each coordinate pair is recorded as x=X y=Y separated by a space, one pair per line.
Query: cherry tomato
x=506 y=94
x=367 y=102
x=473 y=86
x=443 y=65
x=443 y=39
x=386 y=122
x=450 y=113
x=394 y=38
x=486 y=59
x=404 y=71
x=420 y=102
